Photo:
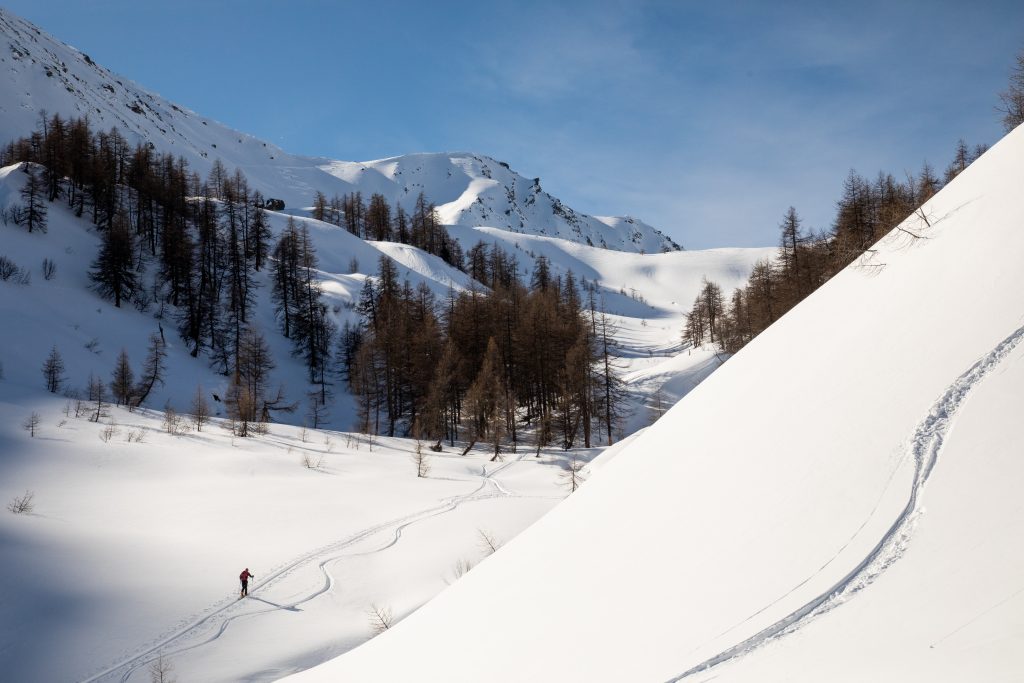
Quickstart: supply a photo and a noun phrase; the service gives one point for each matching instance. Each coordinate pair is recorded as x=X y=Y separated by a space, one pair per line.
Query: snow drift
x=832 y=504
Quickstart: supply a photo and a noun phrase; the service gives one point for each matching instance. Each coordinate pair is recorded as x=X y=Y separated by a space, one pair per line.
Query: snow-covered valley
x=147 y=533
x=838 y=509
x=837 y=501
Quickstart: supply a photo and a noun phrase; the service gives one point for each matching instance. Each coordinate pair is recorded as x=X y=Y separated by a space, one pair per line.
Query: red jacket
x=245 y=576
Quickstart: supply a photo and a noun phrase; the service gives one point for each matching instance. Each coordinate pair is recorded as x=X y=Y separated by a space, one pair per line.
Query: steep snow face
x=841 y=481
x=43 y=74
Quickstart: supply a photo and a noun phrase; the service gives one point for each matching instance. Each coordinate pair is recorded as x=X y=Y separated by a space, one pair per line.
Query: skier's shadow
x=290 y=608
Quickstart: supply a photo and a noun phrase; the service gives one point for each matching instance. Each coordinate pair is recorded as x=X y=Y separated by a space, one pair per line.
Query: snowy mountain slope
x=41 y=73
x=90 y=332
x=798 y=479
x=472 y=190
x=647 y=296
x=362 y=527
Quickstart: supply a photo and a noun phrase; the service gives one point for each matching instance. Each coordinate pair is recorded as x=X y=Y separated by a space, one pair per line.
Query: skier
x=244 y=578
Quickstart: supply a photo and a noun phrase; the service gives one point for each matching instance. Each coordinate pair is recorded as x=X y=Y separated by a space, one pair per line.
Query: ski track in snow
x=927 y=441
x=325 y=554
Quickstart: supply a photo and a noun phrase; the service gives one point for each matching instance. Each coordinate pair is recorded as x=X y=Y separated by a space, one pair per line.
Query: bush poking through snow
x=571 y=476
x=161 y=671
x=460 y=568
x=8 y=269
x=174 y=424
x=421 y=459
x=137 y=435
x=97 y=393
x=488 y=542
x=312 y=461
x=380 y=619
x=22 y=505
x=200 y=409
x=31 y=424
x=109 y=432
x=49 y=269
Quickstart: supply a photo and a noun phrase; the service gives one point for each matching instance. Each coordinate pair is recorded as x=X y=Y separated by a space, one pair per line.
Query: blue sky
x=706 y=120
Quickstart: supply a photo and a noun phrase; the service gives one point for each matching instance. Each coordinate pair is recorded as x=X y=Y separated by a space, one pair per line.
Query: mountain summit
x=44 y=74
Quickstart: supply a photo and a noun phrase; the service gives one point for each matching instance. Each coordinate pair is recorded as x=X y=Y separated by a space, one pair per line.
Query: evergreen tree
x=53 y=371
x=33 y=195
x=260 y=234
x=122 y=382
x=247 y=400
x=285 y=277
x=153 y=369
x=113 y=271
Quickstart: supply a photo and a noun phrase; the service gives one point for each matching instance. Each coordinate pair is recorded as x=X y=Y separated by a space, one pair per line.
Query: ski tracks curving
x=925 y=445
x=219 y=616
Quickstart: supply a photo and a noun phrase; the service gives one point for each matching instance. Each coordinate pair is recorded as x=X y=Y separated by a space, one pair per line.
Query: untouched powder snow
x=841 y=489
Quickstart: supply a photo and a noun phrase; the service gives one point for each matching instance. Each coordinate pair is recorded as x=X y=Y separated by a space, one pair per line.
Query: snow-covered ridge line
x=925 y=445
x=41 y=73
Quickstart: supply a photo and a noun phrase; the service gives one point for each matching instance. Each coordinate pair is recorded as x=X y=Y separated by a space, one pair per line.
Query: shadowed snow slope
x=781 y=503
x=39 y=73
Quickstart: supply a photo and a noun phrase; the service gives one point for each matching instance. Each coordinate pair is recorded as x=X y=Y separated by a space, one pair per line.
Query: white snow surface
x=39 y=73
x=837 y=502
x=133 y=548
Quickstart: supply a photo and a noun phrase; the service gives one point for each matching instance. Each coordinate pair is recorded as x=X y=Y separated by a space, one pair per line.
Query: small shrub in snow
x=460 y=569
x=421 y=460
x=22 y=505
x=571 y=476
x=312 y=461
x=31 y=424
x=108 y=432
x=97 y=393
x=8 y=269
x=380 y=619
x=137 y=435
x=49 y=269
x=173 y=423
x=488 y=543
x=161 y=670
x=200 y=409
